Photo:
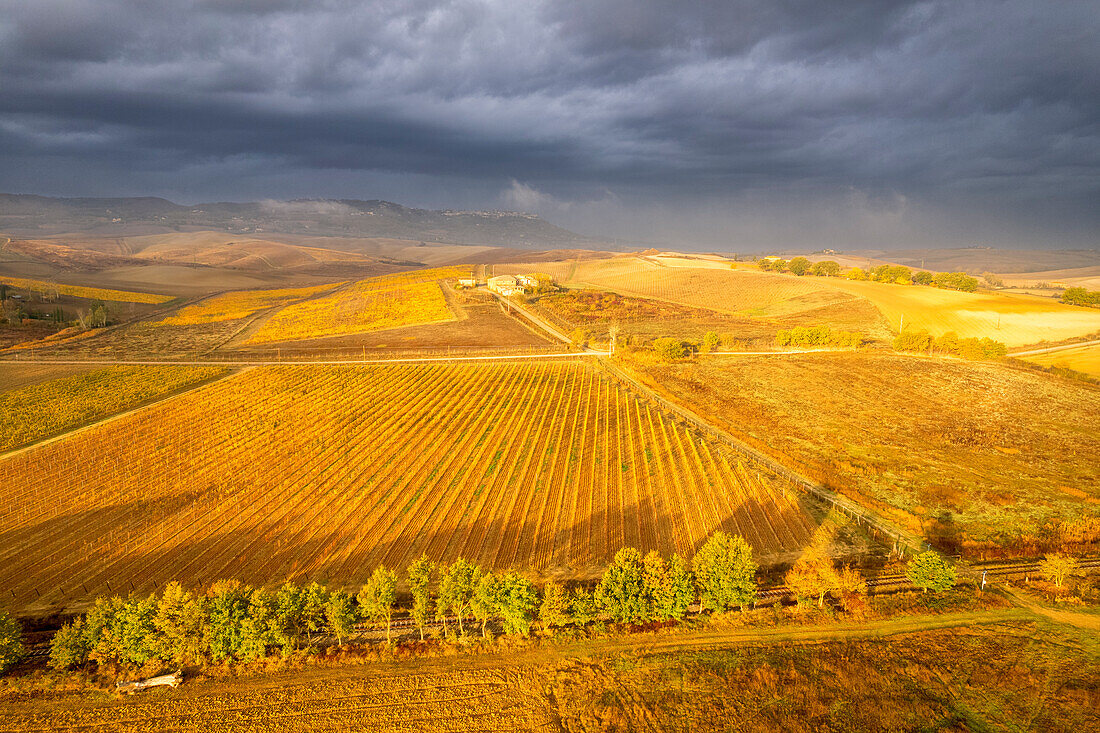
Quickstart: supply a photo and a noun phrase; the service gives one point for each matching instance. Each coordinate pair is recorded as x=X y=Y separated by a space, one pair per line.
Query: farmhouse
x=506 y=285
x=467 y=282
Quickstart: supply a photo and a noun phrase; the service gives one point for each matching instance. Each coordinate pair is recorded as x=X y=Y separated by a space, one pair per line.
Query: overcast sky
x=738 y=124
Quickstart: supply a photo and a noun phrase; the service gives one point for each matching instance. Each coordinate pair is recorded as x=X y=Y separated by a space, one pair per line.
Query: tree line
x=974 y=349
x=232 y=621
x=818 y=336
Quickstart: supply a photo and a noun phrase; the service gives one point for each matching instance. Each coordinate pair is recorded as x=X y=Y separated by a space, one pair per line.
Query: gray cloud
x=745 y=123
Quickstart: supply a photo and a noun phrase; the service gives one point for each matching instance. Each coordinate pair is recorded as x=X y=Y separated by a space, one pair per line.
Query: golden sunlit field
x=38 y=410
x=368 y=305
x=1084 y=359
x=298 y=473
x=873 y=308
x=240 y=304
x=77 y=291
x=972 y=455
x=1012 y=319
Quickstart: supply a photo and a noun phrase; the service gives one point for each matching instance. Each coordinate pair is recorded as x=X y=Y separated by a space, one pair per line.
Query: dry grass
x=978 y=455
x=368 y=305
x=999 y=678
x=772 y=301
x=1015 y=320
x=325 y=472
x=240 y=304
x=38 y=410
x=1084 y=359
x=77 y=291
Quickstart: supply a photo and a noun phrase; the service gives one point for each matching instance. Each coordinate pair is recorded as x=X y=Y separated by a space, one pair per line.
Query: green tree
x=856 y=273
x=680 y=589
x=486 y=599
x=825 y=268
x=314 y=604
x=655 y=586
x=929 y=570
x=799 y=266
x=456 y=587
x=620 y=593
x=518 y=600
x=582 y=607
x=289 y=617
x=226 y=612
x=378 y=596
x=725 y=572
x=179 y=625
x=1081 y=296
x=69 y=646
x=711 y=341
x=340 y=613
x=1056 y=567
x=669 y=349
x=260 y=627
x=420 y=578
x=922 y=278
x=102 y=630
x=554 y=610
x=12 y=648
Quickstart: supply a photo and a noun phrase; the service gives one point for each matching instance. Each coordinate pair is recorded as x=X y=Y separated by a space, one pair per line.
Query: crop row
x=292 y=473
x=51 y=289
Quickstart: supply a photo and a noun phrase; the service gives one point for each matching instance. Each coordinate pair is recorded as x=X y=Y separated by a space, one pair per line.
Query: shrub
x=913 y=341
x=669 y=349
x=856 y=273
x=930 y=570
x=711 y=341
x=580 y=336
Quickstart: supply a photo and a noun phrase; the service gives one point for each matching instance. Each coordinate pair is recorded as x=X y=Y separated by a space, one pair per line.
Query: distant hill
x=41 y=216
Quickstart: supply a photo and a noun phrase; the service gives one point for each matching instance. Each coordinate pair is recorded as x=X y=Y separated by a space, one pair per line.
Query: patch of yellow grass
x=737 y=292
x=369 y=305
x=1015 y=320
x=1085 y=359
x=240 y=304
x=79 y=291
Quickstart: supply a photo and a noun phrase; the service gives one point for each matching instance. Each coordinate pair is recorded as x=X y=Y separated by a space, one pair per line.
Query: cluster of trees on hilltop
x=974 y=349
x=882 y=273
x=949 y=280
x=801 y=266
x=1081 y=296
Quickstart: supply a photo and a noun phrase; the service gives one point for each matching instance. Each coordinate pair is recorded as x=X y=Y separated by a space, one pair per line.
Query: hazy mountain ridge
x=31 y=215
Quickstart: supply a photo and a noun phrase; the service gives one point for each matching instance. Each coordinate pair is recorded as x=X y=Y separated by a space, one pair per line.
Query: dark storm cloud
x=856 y=119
